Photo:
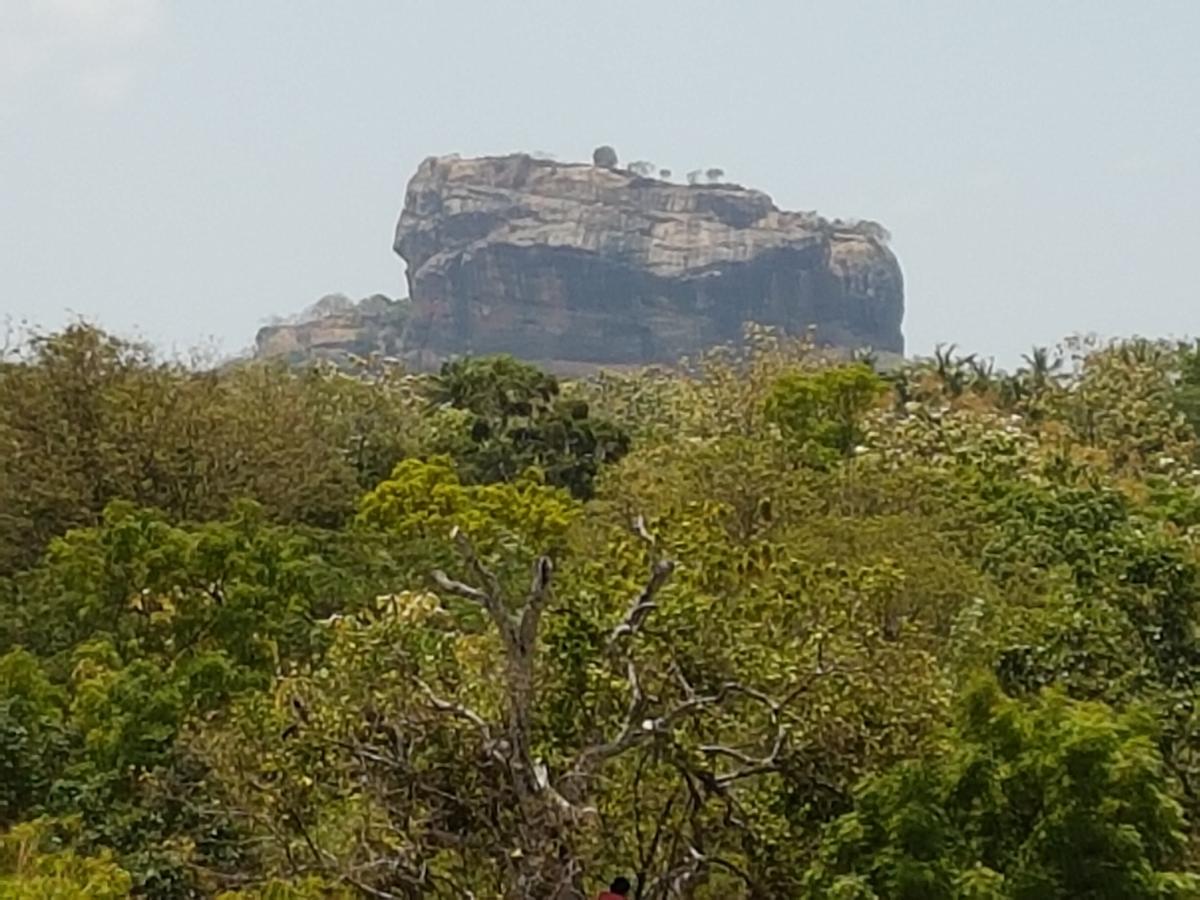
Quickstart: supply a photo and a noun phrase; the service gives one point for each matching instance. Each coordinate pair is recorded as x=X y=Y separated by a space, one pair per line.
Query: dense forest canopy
x=768 y=625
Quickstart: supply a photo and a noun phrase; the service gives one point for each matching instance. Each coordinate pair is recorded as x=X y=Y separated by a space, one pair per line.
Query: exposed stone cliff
x=336 y=328
x=571 y=265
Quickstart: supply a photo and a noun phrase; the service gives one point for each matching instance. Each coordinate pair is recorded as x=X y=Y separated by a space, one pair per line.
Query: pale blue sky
x=183 y=170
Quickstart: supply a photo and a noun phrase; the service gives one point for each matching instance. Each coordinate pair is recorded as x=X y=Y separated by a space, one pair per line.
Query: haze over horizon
x=186 y=171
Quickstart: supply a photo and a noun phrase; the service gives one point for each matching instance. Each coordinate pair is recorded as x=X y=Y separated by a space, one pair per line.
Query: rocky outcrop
x=577 y=265
x=336 y=328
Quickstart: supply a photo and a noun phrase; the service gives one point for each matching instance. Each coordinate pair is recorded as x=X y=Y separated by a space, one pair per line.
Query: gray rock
x=584 y=265
x=336 y=329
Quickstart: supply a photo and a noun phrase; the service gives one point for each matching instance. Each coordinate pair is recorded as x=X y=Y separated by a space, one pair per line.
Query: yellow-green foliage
x=35 y=866
x=425 y=499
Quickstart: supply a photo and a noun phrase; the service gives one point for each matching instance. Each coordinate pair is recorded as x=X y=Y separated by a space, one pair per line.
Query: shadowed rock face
x=573 y=265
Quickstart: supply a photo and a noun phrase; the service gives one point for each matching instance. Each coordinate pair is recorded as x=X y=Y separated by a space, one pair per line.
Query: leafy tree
x=35 y=866
x=32 y=738
x=1040 y=800
x=531 y=707
x=825 y=410
x=516 y=420
x=148 y=626
x=605 y=157
x=86 y=418
x=1187 y=382
x=303 y=889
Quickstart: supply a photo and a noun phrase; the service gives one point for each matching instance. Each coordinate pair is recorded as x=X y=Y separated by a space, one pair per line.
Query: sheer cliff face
x=580 y=265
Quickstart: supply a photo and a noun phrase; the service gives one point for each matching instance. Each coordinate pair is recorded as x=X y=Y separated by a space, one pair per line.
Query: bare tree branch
x=640 y=529
x=490 y=597
x=644 y=603
x=450 y=586
x=544 y=806
x=457 y=709
x=467 y=550
x=535 y=603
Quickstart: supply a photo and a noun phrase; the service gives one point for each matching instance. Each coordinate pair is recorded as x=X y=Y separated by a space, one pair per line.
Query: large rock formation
x=336 y=329
x=572 y=265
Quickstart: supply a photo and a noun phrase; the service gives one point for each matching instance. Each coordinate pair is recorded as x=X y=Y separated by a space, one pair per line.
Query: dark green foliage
x=605 y=157
x=32 y=735
x=1187 y=386
x=518 y=420
x=1028 y=800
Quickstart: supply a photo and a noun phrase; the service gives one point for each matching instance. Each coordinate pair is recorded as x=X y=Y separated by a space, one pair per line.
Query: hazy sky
x=181 y=169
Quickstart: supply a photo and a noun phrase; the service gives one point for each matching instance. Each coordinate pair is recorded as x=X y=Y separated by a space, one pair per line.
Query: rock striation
x=573 y=265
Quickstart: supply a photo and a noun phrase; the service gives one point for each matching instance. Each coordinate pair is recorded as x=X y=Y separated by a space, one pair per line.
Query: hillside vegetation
x=766 y=626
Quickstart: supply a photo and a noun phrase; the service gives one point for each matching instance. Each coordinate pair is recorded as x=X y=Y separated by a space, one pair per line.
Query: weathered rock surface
x=336 y=328
x=575 y=265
